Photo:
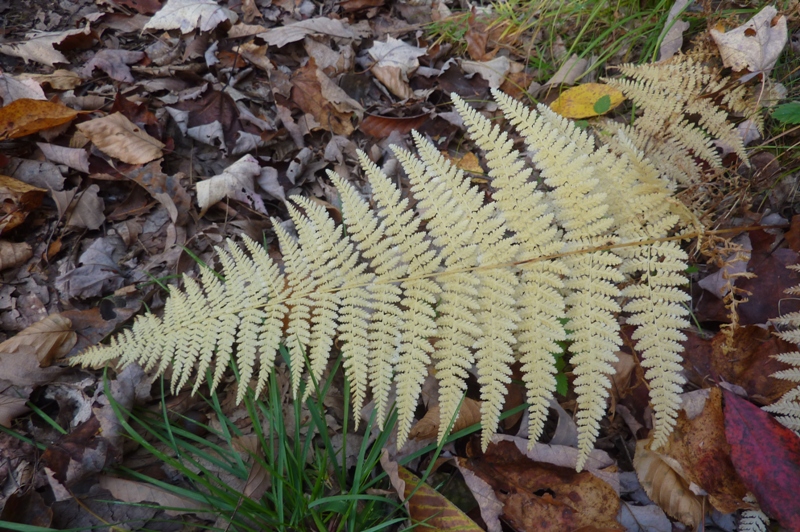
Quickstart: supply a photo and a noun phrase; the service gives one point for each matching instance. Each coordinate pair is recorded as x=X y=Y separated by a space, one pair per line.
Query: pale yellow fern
x=487 y=283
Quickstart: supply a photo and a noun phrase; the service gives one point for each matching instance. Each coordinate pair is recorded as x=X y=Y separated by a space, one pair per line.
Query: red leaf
x=767 y=457
x=382 y=126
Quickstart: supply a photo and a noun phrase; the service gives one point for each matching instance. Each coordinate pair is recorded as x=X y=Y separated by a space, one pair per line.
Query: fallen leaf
x=698 y=444
x=49 y=339
x=13 y=254
x=570 y=71
x=283 y=35
x=62 y=80
x=17 y=199
x=493 y=71
x=382 y=126
x=672 y=35
x=135 y=492
x=188 y=15
x=755 y=45
x=539 y=496
x=767 y=457
x=120 y=138
x=98 y=272
x=428 y=426
x=394 y=61
x=167 y=190
x=10 y=408
x=25 y=117
x=114 y=63
x=75 y=158
x=144 y=7
x=665 y=486
x=234 y=182
x=258 y=481
x=584 y=100
x=84 y=212
x=38 y=46
x=315 y=94
x=12 y=89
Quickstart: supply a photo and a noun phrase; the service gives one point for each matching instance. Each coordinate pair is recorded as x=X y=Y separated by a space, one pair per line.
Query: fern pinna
x=456 y=282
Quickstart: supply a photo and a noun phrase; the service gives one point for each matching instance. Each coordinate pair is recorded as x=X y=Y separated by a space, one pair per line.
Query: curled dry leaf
x=13 y=254
x=120 y=138
x=234 y=182
x=25 y=117
x=188 y=15
x=666 y=487
x=38 y=46
x=12 y=89
x=17 y=199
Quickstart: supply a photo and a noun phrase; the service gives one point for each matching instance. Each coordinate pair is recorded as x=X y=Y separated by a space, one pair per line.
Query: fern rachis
x=490 y=283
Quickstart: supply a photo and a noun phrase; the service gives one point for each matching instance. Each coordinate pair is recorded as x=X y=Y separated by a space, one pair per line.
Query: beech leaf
x=25 y=116
x=188 y=15
x=120 y=138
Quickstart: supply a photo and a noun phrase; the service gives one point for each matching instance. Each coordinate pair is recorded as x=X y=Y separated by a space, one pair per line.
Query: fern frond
x=787 y=408
x=487 y=283
x=540 y=303
x=681 y=117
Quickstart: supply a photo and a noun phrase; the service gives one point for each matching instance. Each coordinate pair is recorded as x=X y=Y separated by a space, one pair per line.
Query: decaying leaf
x=426 y=507
x=132 y=491
x=754 y=45
x=119 y=137
x=38 y=46
x=585 y=100
x=428 y=426
x=672 y=35
x=75 y=158
x=540 y=496
x=283 y=35
x=666 y=487
x=49 y=338
x=80 y=210
x=12 y=88
x=382 y=126
x=13 y=254
x=114 y=63
x=17 y=199
x=188 y=15
x=62 y=80
x=318 y=96
x=493 y=71
x=394 y=61
x=25 y=117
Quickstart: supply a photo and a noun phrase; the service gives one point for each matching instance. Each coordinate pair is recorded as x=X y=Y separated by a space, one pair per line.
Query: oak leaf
x=118 y=137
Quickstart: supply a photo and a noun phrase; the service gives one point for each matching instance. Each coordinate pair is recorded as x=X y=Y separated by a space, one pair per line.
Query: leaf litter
x=137 y=132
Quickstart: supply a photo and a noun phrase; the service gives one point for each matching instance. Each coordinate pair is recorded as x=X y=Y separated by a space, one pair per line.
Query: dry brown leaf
x=11 y=407
x=38 y=46
x=754 y=45
x=283 y=35
x=61 y=80
x=132 y=491
x=395 y=60
x=114 y=63
x=428 y=426
x=49 y=338
x=13 y=254
x=666 y=487
x=258 y=481
x=17 y=199
x=75 y=158
x=120 y=138
x=493 y=71
x=25 y=117
x=188 y=15
x=84 y=212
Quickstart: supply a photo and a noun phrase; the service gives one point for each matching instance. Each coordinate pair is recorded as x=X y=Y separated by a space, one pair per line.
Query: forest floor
x=137 y=136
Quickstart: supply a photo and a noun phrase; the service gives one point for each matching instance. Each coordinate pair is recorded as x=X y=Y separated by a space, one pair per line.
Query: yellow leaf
x=586 y=100
x=431 y=510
